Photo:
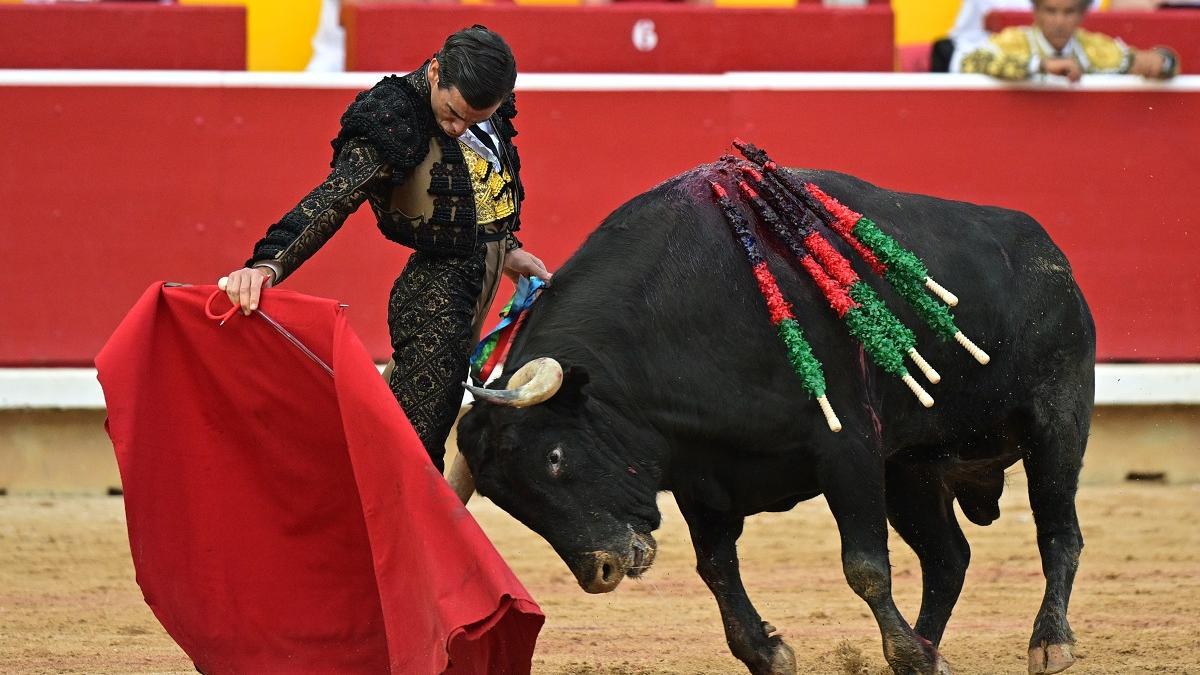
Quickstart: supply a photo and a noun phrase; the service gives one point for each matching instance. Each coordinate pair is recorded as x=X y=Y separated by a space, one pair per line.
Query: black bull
x=675 y=380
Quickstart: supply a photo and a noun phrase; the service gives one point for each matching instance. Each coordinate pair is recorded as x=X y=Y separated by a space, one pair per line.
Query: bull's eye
x=554 y=461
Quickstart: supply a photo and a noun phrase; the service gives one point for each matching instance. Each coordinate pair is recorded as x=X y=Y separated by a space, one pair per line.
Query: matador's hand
x=520 y=263
x=244 y=287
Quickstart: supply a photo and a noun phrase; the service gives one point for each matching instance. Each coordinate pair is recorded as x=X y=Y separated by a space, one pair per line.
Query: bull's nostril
x=606 y=572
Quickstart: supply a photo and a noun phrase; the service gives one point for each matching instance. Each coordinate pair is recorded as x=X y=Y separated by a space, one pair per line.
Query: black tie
x=485 y=138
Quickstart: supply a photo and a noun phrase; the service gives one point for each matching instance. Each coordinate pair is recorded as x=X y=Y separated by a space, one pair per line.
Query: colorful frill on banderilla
x=493 y=348
x=792 y=211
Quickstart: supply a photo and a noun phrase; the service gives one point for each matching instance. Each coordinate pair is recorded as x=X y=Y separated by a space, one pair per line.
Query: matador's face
x=454 y=115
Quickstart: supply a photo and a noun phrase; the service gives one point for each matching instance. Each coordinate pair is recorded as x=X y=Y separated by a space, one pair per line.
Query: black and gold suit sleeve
x=304 y=229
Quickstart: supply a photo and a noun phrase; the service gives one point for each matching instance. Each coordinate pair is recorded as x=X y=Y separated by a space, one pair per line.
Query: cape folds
x=285 y=520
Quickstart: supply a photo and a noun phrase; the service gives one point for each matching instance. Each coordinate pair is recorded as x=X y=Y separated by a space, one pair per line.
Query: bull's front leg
x=714 y=536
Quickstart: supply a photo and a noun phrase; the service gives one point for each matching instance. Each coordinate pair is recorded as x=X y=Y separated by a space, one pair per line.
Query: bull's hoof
x=783 y=661
x=1044 y=660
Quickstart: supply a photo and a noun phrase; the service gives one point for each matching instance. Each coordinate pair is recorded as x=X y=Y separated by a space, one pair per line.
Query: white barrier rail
x=1116 y=384
x=733 y=81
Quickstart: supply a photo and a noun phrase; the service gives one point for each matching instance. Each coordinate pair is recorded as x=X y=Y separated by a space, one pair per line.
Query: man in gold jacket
x=432 y=153
x=1055 y=45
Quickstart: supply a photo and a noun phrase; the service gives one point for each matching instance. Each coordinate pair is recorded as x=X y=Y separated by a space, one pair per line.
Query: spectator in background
x=1055 y=45
x=969 y=31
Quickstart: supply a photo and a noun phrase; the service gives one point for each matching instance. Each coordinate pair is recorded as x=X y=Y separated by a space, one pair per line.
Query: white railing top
x=1116 y=384
x=734 y=81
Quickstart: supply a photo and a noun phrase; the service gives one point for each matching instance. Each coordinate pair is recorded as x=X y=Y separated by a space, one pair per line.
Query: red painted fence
x=123 y=35
x=632 y=38
x=107 y=188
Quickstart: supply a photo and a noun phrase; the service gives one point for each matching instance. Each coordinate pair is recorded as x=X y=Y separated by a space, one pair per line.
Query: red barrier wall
x=1178 y=29
x=107 y=189
x=123 y=35
x=631 y=38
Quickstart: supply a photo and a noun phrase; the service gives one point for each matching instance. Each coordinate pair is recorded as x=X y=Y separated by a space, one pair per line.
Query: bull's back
x=661 y=298
x=1018 y=300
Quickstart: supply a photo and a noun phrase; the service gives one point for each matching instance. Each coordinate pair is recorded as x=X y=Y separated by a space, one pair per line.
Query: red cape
x=285 y=520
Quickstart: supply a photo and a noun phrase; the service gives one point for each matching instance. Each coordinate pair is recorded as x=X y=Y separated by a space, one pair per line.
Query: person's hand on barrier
x=244 y=287
x=1159 y=63
x=520 y=263
x=1068 y=68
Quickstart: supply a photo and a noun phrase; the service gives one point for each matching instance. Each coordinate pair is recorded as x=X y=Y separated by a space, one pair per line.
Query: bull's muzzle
x=602 y=571
x=535 y=382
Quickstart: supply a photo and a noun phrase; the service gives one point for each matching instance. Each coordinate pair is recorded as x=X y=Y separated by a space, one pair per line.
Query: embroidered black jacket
x=385 y=134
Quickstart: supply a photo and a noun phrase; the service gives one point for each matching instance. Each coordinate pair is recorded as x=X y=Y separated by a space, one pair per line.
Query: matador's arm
x=304 y=229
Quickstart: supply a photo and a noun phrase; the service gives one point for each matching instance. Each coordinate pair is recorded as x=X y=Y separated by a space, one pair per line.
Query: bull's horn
x=535 y=382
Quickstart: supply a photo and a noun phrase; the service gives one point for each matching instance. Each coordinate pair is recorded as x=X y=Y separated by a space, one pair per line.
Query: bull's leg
x=460 y=478
x=922 y=511
x=714 y=536
x=853 y=483
x=1054 y=454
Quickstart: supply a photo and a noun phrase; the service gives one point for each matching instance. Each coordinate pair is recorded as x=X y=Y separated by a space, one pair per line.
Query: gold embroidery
x=1105 y=54
x=1009 y=53
x=492 y=201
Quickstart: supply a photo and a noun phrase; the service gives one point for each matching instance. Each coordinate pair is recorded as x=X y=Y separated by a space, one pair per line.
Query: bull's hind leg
x=853 y=482
x=1055 y=440
x=921 y=509
x=714 y=536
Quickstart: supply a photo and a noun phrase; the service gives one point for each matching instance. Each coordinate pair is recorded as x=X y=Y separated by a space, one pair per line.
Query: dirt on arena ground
x=69 y=603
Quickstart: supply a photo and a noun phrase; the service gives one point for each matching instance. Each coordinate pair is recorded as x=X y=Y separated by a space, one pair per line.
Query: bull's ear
x=572 y=393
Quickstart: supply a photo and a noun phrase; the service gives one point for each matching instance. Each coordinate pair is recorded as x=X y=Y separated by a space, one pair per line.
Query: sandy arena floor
x=68 y=601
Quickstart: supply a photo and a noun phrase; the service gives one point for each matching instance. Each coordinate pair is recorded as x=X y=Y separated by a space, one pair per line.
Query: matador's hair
x=480 y=64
